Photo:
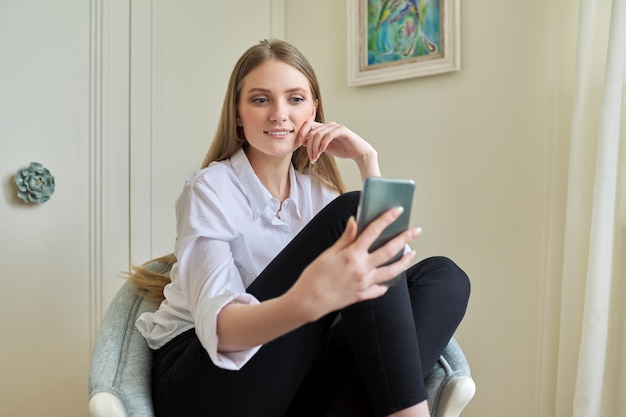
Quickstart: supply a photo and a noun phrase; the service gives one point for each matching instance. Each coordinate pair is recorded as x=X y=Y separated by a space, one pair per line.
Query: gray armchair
x=119 y=374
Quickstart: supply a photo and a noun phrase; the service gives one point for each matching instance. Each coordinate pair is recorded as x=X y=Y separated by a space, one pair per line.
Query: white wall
x=479 y=144
x=63 y=103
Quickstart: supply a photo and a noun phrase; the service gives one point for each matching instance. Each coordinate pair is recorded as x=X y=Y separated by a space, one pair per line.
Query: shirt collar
x=294 y=192
x=257 y=194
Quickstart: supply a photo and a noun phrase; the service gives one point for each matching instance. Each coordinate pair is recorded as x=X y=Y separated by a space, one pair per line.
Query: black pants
x=370 y=358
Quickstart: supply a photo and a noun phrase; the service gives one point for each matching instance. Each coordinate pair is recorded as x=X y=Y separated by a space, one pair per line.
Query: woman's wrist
x=368 y=164
x=303 y=307
x=295 y=307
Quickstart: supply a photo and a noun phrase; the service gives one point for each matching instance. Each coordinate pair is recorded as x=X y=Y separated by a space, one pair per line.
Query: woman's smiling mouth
x=278 y=133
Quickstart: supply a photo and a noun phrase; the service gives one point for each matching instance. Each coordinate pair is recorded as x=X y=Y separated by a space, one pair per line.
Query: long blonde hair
x=229 y=138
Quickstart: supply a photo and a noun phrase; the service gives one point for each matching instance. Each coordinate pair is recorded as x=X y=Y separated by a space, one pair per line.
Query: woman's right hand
x=347 y=273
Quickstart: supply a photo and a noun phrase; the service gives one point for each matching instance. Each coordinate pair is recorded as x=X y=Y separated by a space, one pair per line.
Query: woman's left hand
x=339 y=141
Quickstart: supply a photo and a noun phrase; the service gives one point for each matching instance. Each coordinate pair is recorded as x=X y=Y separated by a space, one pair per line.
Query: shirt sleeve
x=206 y=270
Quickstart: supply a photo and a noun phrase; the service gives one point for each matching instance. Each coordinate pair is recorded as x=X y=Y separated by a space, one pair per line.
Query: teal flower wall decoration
x=35 y=184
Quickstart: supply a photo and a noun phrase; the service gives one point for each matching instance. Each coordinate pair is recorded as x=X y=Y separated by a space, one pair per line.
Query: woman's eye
x=297 y=99
x=260 y=100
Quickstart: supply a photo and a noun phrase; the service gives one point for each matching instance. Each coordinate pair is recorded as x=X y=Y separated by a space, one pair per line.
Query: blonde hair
x=229 y=138
x=150 y=278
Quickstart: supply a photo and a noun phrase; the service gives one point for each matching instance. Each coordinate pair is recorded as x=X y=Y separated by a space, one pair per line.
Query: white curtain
x=591 y=369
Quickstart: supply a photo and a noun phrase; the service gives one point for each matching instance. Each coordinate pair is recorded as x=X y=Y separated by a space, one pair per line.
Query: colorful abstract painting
x=392 y=40
x=403 y=30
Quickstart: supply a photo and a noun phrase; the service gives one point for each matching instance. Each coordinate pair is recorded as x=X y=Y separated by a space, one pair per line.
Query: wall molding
x=142 y=69
x=108 y=153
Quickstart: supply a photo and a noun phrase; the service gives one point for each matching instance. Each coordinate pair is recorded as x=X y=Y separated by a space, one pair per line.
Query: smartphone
x=379 y=195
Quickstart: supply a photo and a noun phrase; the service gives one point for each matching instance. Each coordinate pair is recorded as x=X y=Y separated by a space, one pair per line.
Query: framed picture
x=391 y=40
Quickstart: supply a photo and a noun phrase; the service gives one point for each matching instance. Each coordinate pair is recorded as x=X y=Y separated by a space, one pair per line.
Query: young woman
x=275 y=306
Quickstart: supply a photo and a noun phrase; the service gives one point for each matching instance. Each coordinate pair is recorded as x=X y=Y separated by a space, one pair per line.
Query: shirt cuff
x=206 y=330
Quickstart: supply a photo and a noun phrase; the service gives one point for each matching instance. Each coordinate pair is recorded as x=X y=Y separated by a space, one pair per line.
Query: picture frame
x=390 y=40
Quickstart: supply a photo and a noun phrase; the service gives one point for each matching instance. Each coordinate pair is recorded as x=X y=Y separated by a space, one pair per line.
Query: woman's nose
x=279 y=112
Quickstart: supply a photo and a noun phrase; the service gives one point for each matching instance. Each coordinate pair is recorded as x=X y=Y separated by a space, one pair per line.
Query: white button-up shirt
x=227 y=233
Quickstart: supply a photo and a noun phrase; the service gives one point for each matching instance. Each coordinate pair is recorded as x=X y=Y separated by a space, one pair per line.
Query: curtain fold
x=591 y=335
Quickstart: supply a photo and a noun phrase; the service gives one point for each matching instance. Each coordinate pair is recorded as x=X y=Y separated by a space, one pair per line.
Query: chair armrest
x=121 y=362
x=450 y=385
x=455 y=396
x=105 y=404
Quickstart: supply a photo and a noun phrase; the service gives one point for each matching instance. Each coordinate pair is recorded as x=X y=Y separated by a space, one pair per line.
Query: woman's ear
x=238 y=121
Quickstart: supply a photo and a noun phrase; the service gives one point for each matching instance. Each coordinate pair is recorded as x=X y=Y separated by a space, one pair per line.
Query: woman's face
x=275 y=101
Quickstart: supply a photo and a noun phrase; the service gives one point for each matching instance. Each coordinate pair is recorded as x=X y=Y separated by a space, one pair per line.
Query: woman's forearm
x=244 y=326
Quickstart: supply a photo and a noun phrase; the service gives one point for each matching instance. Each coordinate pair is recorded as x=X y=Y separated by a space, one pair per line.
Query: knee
x=334 y=216
x=449 y=277
x=459 y=280
x=349 y=199
x=453 y=270
x=344 y=206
